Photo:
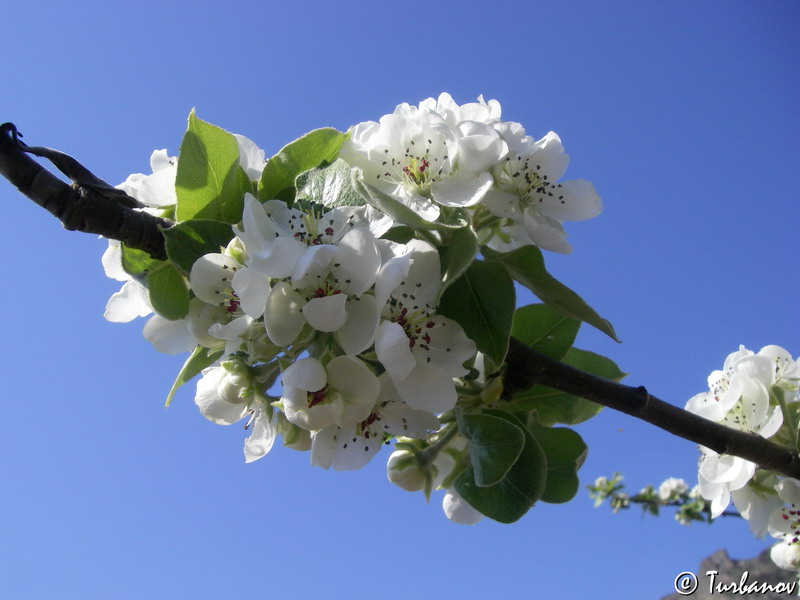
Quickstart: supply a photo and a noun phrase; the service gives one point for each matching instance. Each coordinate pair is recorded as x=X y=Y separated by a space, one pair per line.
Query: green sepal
x=553 y=406
x=136 y=262
x=307 y=152
x=200 y=358
x=482 y=302
x=526 y=265
x=189 y=240
x=509 y=499
x=544 y=329
x=448 y=219
x=330 y=185
x=168 y=292
x=565 y=451
x=209 y=182
x=494 y=445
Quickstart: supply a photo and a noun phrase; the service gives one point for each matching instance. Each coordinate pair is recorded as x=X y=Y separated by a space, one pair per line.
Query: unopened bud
x=404 y=470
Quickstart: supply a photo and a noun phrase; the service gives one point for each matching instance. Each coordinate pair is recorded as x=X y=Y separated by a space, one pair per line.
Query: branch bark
x=90 y=206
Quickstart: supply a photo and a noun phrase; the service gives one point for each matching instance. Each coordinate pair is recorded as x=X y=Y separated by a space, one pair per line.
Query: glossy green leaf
x=457 y=255
x=526 y=265
x=209 y=182
x=307 y=152
x=482 y=302
x=168 y=292
x=509 y=499
x=565 y=451
x=553 y=406
x=494 y=445
x=544 y=329
x=189 y=240
x=200 y=358
x=330 y=185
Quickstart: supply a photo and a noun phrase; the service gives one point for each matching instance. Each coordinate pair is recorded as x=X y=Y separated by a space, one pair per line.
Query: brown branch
x=89 y=206
x=527 y=367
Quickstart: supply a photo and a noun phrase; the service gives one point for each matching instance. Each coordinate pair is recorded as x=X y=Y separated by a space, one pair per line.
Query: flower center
x=415 y=324
x=416 y=169
x=525 y=179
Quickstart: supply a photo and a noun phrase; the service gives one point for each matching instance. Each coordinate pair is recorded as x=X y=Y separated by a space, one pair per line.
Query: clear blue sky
x=683 y=114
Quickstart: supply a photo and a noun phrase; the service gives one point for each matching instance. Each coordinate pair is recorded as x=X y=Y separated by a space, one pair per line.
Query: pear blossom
x=316 y=396
x=784 y=524
x=425 y=162
x=351 y=446
x=226 y=397
x=421 y=351
x=528 y=197
x=156 y=190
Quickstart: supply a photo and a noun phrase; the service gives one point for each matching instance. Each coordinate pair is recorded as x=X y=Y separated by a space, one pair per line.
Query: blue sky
x=683 y=114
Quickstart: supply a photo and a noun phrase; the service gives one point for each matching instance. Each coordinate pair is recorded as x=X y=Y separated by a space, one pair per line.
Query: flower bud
x=404 y=471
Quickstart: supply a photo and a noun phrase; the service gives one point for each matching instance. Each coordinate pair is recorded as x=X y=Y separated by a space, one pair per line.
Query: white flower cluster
x=440 y=156
x=314 y=300
x=758 y=393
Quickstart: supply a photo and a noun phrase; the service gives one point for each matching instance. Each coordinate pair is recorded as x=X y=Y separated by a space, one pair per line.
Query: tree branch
x=92 y=206
x=527 y=367
x=89 y=205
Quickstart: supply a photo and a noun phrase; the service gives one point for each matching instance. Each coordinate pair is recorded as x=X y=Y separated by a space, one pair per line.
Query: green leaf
x=482 y=302
x=565 y=451
x=544 y=329
x=553 y=406
x=526 y=265
x=400 y=234
x=307 y=152
x=200 y=358
x=330 y=185
x=494 y=446
x=457 y=255
x=136 y=261
x=168 y=292
x=189 y=240
x=400 y=213
x=209 y=181
x=509 y=499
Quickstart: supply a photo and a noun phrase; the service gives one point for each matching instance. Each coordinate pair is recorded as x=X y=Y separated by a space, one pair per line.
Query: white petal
x=359 y=261
x=216 y=406
x=169 y=337
x=358 y=332
x=392 y=273
x=282 y=316
x=464 y=189
x=112 y=262
x=391 y=346
x=277 y=259
x=312 y=265
x=580 y=202
x=261 y=439
x=251 y=157
x=326 y=313
x=354 y=380
x=458 y=510
x=252 y=289
x=427 y=388
x=128 y=303
x=211 y=277
x=307 y=374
